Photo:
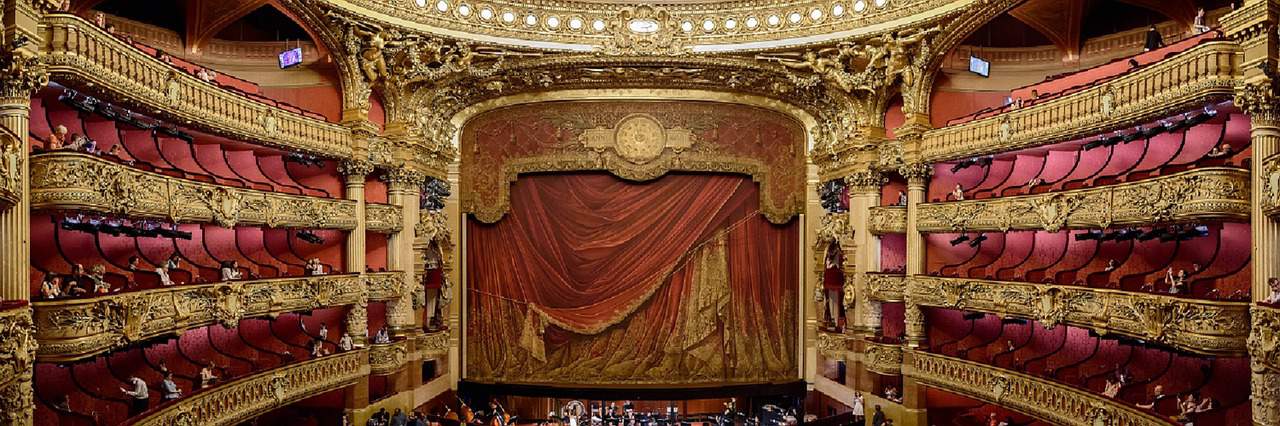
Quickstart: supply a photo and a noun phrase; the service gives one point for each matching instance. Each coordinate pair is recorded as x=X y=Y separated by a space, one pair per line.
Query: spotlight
x=962 y=238
x=310 y=237
x=1089 y=235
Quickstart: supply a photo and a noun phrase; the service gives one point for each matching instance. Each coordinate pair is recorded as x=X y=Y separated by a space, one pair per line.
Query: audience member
x=1273 y=297
x=1154 y=40
x=1157 y=394
x=169 y=389
x=98 y=277
x=50 y=287
x=139 y=396
x=346 y=343
x=314 y=267
x=958 y=193
x=58 y=138
x=63 y=403
x=318 y=349
x=1112 y=389
x=399 y=419
x=164 y=269
x=902 y=198
x=323 y=332
x=1219 y=151
x=1198 y=25
x=207 y=378
x=230 y=270
x=877 y=418
x=859 y=411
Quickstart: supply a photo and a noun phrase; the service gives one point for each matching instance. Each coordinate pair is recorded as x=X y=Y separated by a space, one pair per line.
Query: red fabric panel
x=323 y=100
x=375 y=250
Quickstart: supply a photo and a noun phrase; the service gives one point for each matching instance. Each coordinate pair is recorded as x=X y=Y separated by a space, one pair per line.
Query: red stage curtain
x=626 y=275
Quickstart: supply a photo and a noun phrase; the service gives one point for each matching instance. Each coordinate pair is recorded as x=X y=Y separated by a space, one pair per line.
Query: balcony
x=1188 y=80
x=882 y=358
x=385 y=285
x=80 y=54
x=246 y=398
x=1040 y=398
x=1198 y=326
x=73 y=329
x=886 y=287
x=1207 y=193
x=888 y=220
x=387 y=358
x=76 y=181
x=383 y=218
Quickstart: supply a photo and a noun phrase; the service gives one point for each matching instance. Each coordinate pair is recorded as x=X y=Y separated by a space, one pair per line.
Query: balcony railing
x=1199 y=326
x=433 y=344
x=81 y=54
x=384 y=218
x=886 y=287
x=386 y=358
x=832 y=345
x=1207 y=193
x=73 y=329
x=882 y=358
x=1185 y=81
x=246 y=398
x=76 y=181
x=888 y=220
x=1043 y=399
x=385 y=285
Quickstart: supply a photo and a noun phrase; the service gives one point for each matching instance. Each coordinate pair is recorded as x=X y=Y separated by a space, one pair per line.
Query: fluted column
x=917 y=179
x=355 y=172
x=864 y=193
x=1260 y=102
x=404 y=185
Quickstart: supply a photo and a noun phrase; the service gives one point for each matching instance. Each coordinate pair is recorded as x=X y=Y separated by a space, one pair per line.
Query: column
x=403 y=186
x=864 y=193
x=917 y=175
x=355 y=172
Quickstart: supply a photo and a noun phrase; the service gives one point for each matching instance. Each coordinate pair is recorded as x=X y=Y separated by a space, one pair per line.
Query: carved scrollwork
x=1264 y=340
x=355 y=168
x=883 y=358
x=834 y=228
x=386 y=218
x=73 y=181
x=387 y=358
x=1204 y=193
x=17 y=361
x=1044 y=399
x=1200 y=326
x=1270 y=171
x=79 y=328
x=886 y=287
x=433 y=344
x=888 y=219
x=434 y=226
x=385 y=285
x=832 y=345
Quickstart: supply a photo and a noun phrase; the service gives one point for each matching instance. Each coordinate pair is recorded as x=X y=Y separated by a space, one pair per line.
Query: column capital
x=916 y=173
x=865 y=180
x=21 y=75
x=355 y=169
x=1258 y=99
x=403 y=178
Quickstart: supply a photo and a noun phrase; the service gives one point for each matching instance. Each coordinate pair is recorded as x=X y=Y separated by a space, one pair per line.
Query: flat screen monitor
x=979 y=66
x=291 y=57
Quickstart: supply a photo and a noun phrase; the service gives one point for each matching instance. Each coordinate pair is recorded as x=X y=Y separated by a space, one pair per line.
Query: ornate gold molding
x=1270 y=200
x=243 y=399
x=886 y=287
x=17 y=361
x=385 y=285
x=79 y=328
x=387 y=358
x=383 y=218
x=1206 y=193
x=882 y=358
x=1264 y=341
x=1199 y=326
x=833 y=345
x=81 y=54
x=12 y=163
x=1188 y=80
x=888 y=220
x=75 y=181
x=432 y=344
x=1043 y=399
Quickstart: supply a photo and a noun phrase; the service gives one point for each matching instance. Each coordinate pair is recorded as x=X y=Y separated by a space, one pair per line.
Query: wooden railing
x=1199 y=326
x=1207 y=193
x=72 y=329
x=82 y=55
x=243 y=399
x=888 y=220
x=1190 y=79
x=76 y=181
x=384 y=218
x=1043 y=399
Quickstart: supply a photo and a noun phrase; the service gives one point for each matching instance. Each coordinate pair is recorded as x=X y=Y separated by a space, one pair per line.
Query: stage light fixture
x=978 y=241
x=962 y=238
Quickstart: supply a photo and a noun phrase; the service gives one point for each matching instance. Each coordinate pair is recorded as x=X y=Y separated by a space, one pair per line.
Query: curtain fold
x=595 y=280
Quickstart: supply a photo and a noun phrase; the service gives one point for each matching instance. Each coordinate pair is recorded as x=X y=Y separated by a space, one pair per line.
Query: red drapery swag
x=592 y=279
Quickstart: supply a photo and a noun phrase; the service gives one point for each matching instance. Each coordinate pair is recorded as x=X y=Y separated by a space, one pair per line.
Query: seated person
x=58 y=138
x=230 y=270
x=346 y=343
x=1219 y=151
x=98 y=276
x=314 y=267
x=207 y=378
x=1274 y=295
x=50 y=287
x=1157 y=394
x=1112 y=389
x=164 y=269
x=318 y=349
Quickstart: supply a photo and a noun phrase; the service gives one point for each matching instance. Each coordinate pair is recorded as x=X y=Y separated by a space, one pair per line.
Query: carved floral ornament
x=12 y=165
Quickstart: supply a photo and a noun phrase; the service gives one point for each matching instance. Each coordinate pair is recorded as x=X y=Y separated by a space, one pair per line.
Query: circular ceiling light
x=774 y=20
x=815 y=14
x=794 y=17
x=597 y=25
x=752 y=22
x=464 y=10
x=643 y=26
x=530 y=20
x=881 y=3
x=421 y=3
x=575 y=23
x=730 y=24
x=837 y=10
x=508 y=17
x=686 y=26
x=553 y=22
x=708 y=25
x=859 y=6
x=442 y=6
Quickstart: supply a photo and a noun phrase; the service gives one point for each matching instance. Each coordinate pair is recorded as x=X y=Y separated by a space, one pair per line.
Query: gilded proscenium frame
x=1271 y=190
x=385 y=285
x=886 y=287
x=1190 y=79
x=1199 y=326
x=383 y=218
x=246 y=398
x=888 y=220
x=77 y=181
x=1043 y=399
x=804 y=31
x=387 y=358
x=74 y=329
x=80 y=54
x=1206 y=193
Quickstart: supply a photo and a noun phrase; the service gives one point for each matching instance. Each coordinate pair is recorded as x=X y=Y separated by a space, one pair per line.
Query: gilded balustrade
x=1271 y=188
x=1190 y=79
x=243 y=399
x=82 y=55
x=1201 y=326
x=1206 y=193
x=882 y=358
x=888 y=220
x=17 y=359
x=383 y=218
x=73 y=329
x=1043 y=399
x=76 y=181
x=386 y=358
x=385 y=285
x=886 y=287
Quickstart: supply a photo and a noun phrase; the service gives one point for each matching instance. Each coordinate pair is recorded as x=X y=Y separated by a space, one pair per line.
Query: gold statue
x=372 y=61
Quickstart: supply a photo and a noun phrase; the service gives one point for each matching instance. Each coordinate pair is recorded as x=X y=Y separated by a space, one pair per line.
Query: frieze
x=386 y=358
x=832 y=345
x=383 y=218
x=385 y=285
x=1185 y=81
x=1200 y=326
x=1040 y=398
x=78 y=328
x=75 y=181
x=888 y=220
x=882 y=358
x=245 y=398
x=1205 y=193
x=81 y=54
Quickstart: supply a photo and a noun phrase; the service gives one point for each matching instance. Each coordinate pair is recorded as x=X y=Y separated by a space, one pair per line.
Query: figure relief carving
x=270 y=124
x=1264 y=341
x=644 y=30
x=173 y=89
x=224 y=203
x=869 y=68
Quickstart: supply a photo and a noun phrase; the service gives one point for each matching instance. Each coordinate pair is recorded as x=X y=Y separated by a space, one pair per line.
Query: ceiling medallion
x=644 y=30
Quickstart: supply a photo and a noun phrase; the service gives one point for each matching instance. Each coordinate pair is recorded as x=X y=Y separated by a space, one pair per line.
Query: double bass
x=499 y=416
x=466 y=416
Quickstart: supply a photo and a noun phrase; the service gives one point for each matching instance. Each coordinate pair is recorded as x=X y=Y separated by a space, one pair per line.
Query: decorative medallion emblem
x=999 y=387
x=638 y=138
x=1108 y=101
x=279 y=385
x=1006 y=129
x=173 y=89
x=225 y=205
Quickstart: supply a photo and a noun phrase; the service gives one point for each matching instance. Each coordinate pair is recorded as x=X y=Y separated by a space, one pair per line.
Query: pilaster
x=864 y=193
x=917 y=175
x=403 y=190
